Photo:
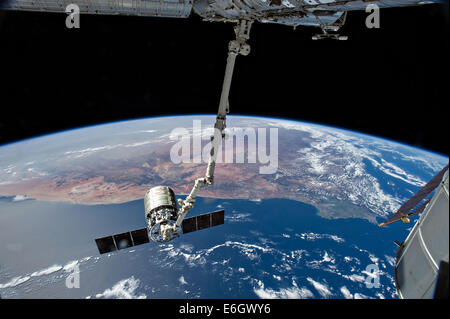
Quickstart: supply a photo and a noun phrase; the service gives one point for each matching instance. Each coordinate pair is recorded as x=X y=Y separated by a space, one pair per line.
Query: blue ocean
x=270 y=248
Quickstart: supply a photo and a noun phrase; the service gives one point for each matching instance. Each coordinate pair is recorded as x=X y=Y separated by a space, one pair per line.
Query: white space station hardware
x=329 y=15
x=163 y=222
x=421 y=269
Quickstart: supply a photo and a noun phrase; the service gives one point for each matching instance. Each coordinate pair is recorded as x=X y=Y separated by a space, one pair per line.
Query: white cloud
x=187 y=247
x=19 y=198
x=346 y=293
x=43 y=272
x=345 y=174
x=246 y=248
x=137 y=144
x=325 y=259
x=182 y=280
x=355 y=278
x=373 y=258
x=70 y=265
x=398 y=173
x=168 y=248
x=322 y=289
x=15 y=282
x=379 y=295
x=91 y=150
x=390 y=260
x=238 y=217
x=124 y=289
x=283 y=293
x=314 y=236
x=349 y=259
x=47 y=271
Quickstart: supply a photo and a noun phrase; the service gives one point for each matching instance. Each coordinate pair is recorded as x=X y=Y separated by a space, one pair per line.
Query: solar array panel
x=217 y=218
x=122 y=241
x=189 y=225
x=140 y=236
x=105 y=244
x=416 y=199
x=203 y=221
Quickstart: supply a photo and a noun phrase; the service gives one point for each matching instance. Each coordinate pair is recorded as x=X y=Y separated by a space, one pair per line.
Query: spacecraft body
x=421 y=269
x=161 y=212
x=422 y=258
x=288 y=12
x=165 y=220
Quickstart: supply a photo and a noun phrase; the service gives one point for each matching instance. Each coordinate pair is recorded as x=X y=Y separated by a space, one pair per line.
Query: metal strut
x=235 y=47
x=331 y=27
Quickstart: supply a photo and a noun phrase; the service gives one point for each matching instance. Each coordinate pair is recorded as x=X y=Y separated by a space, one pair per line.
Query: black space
x=391 y=82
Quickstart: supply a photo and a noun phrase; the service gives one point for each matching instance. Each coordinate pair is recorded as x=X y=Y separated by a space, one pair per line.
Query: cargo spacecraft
x=164 y=222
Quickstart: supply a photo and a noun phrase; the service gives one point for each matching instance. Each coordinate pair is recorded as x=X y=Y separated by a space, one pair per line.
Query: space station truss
x=287 y=12
x=154 y=8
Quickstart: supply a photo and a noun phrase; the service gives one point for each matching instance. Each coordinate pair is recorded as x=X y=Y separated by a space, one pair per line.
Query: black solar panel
x=217 y=218
x=140 y=236
x=105 y=244
x=189 y=225
x=417 y=198
x=123 y=240
x=203 y=221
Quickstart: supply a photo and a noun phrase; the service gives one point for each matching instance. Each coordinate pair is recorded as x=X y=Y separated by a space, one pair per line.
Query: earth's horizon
x=87 y=186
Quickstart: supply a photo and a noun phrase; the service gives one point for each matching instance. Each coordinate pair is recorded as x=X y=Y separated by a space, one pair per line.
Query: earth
x=301 y=222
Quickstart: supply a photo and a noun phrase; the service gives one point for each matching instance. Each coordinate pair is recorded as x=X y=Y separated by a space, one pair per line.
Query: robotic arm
x=235 y=47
